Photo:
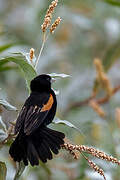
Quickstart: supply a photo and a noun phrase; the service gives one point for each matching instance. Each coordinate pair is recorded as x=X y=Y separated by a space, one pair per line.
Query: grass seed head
x=55 y=24
x=48 y=16
x=31 y=54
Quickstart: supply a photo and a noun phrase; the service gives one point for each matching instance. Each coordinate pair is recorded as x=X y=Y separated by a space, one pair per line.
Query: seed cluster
x=96 y=168
x=48 y=16
x=102 y=77
x=94 y=152
x=31 y=54
x=90 y=150
x=55 y=24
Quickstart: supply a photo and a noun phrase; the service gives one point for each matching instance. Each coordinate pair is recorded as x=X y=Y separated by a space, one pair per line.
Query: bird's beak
x=53 y=80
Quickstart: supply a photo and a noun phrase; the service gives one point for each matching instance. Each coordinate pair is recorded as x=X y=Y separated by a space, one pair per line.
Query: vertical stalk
x=43 y=43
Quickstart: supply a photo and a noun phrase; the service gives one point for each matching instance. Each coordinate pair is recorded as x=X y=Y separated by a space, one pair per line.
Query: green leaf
x=7 y=68
x=111 y=56
x=27 y=70
x=113 y=2
x=2 y=63
x=8 y=106
x=3 y=171
x=4 y=47
x=20 y=169
x=55 y=75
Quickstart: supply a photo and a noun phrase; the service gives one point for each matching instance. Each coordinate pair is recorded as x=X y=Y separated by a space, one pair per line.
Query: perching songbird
x=35 y=141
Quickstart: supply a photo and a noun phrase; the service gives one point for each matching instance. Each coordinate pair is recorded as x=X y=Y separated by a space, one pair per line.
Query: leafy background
x=89 y=29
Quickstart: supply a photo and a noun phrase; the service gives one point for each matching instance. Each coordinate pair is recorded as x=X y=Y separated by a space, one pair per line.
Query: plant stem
x=43 y=43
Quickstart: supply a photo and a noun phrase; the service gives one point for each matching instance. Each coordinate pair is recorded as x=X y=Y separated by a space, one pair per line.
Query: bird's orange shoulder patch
x=48 y=105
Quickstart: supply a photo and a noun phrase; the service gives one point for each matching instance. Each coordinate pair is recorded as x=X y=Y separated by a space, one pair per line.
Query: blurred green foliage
x=89 y=29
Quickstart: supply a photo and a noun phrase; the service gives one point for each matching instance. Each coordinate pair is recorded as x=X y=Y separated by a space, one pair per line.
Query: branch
x=99 y=101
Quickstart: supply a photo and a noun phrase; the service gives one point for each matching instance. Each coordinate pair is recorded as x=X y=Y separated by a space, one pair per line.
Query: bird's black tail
x=39 y=145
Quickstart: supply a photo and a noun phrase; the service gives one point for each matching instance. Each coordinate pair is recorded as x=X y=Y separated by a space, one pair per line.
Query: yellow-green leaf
x=3 y=171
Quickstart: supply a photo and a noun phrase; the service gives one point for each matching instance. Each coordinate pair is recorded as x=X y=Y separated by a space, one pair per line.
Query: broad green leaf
x=8 y=106
x=111 y=56
x=113 y=2
x=55 y=75
x=27 y=70
x=20 y=169
x=4 y=47
x=2 y=63
x=3 y=171
x=7 y=68
x=2 y=124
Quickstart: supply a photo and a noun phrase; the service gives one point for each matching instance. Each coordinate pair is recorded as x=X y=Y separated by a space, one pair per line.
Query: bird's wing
x=32 y=115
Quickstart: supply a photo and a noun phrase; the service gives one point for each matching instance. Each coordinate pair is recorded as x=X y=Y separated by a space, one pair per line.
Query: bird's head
x=41 y=83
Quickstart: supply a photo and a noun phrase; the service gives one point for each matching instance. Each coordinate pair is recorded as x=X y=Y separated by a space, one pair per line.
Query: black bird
x=35 y=141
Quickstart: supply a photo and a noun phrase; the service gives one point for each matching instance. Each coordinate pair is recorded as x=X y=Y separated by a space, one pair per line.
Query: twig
x=107 y=98
x=8 y=138
x=97 y=108
x=78 y=104
x=92 y=97
x=9 y=133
